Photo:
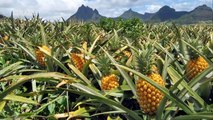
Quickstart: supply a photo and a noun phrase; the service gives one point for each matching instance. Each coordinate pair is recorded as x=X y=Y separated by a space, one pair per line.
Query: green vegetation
x=54 y=70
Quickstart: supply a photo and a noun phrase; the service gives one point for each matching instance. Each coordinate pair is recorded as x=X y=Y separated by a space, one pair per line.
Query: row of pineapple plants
x=107 y=70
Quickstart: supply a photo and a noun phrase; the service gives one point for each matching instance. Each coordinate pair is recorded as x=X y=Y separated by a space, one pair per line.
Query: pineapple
x=78 y=61
x=154 y=68
x=40 y=56
x=109 y=80
x=127 y=53
x=149 y=97
x=197 y=63
x=4 y=38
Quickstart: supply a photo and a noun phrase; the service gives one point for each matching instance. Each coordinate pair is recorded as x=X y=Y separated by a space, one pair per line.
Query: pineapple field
x=110 y=70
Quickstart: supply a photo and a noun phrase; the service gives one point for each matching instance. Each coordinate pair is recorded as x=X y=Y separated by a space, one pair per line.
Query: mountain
x=167 y=13
x=132 y=14
x=85 y=13
x=200 y=13
x=2 y=16
x=147 y=16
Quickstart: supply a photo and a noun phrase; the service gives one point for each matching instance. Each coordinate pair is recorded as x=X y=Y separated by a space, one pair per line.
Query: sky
x=56 y=9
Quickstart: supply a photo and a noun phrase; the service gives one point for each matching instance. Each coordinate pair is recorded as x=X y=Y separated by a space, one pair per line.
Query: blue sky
x=55 y=9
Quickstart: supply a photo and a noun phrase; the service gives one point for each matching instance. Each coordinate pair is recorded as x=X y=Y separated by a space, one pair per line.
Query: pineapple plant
x=109 y=80
x=196 y=63
x=148 y=96
x=40 y=56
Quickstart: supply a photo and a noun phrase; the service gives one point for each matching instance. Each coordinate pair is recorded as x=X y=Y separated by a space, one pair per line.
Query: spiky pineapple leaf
x=12 y=97
x=21 y=80
x=92 y=93
x=2 y=104
x=11 y=68
x=80 y=74
x=198 y=116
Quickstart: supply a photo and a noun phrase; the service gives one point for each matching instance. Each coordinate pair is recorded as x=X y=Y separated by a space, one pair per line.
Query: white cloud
x=55 y=9
x=206 y=1
x=48 y=9
x=184 y=6
x=114 y=8
x=152 y=8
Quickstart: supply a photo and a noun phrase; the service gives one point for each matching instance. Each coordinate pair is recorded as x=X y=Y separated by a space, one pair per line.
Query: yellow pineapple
x=4 y=38
x=127 y=53
x=109 y=80
x=197 y=63
x=40 y=56
x=149 y=97
x=154 y=68
x=78 y=61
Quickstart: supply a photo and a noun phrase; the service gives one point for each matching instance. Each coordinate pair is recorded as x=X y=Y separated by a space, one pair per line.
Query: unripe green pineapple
x=197 y=63
x=40 y=56
x=149 y=97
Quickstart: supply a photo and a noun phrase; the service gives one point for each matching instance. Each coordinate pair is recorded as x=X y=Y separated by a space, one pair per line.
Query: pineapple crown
x=75 y=50
x=145 y=58
x=114 y=45
x=197 y=44
x=104 y=64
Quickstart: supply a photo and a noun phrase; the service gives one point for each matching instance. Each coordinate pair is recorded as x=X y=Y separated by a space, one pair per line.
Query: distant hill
x=2 y=16
x=147 y=16
x=85 y=13
x=200 y=13
x=166 y=13
x=132 y=14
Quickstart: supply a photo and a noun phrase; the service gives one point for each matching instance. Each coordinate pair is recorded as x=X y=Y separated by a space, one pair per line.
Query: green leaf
x=10 y=68
x=25 y=49
x=43 y=35
x=161 y=108
x=51 y=108
x=81 y=75
x=12 y=97
x=45 y=105
x=93 y=44
x=195 y=117
x=2 y=104
x=88 y=92
x=23 y=79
